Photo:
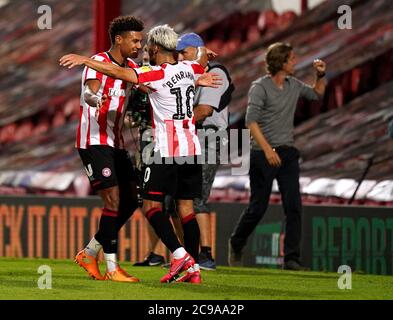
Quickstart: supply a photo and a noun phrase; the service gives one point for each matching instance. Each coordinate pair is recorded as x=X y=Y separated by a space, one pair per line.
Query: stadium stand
x=338 y=137
x=196 y=16
x=38 y=100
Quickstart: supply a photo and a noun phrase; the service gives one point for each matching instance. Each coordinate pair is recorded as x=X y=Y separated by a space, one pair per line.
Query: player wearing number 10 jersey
x=173 y=88
x=172 y=92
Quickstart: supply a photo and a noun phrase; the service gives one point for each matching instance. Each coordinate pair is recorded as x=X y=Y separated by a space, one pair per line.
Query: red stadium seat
x=339 y=96
x=267 y=19
x=230 y=46
x=250 y=19
x=253 y=34
x=286 y=18
x=328 y=27
x=355 y=80
x=24 y=130
x=43 y=126
x=215 y=45
x=7 y=133
x=71 y=108
x=59 y=119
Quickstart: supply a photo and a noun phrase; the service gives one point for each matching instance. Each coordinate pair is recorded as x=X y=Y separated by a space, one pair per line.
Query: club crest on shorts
x=106 y=172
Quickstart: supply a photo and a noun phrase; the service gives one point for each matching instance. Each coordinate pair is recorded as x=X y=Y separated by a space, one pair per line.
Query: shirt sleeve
x=132 y=64
x=256 y=97
x=91 y=74
x=212 y=96
x=306 y=91
x=151 y=76
x=198 y=69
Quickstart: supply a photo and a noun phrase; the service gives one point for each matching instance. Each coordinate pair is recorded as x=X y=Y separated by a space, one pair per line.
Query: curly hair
x=122 y=24
x=277 y=54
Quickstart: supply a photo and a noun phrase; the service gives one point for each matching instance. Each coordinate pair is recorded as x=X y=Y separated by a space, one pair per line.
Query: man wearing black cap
x=211 y=112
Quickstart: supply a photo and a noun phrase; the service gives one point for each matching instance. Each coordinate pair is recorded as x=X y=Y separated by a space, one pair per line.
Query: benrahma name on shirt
x=178 y=77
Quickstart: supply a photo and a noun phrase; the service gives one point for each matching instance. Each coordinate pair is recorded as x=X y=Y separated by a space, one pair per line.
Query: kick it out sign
x=57 y=228
x=59 y=231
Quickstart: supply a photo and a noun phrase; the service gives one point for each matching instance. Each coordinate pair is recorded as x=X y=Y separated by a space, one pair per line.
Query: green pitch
x=18 y=280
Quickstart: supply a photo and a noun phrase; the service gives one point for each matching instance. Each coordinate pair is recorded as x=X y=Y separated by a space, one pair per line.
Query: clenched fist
x=319 y=66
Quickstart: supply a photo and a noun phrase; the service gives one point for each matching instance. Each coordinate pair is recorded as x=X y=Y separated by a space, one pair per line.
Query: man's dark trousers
x=261 y=180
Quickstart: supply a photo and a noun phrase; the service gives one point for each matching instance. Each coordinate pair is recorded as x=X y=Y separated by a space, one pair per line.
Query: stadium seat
x=286 y=18
x=253 y=35
x=7 y=133
x=58 y=119
x=267 y=19
x=42 y=126
x=24 y=130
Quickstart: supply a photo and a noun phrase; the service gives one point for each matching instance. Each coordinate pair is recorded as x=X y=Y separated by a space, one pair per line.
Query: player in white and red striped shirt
x=101 y=147
x=172 y=90
x=103 y=126
x=172 y=84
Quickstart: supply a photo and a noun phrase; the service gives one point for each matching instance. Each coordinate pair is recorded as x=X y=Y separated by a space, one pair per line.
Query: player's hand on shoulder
x=210 y=79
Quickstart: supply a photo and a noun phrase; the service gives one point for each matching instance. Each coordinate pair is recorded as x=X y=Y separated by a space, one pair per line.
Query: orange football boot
x=120 y=275
x=90 y=264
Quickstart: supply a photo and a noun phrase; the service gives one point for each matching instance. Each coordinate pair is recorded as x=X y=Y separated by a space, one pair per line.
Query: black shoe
x=151 y=260
x=206 y=262
x=234 y=256
x=293 y=265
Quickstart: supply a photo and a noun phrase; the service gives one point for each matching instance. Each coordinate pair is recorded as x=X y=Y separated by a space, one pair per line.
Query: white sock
x=111 y=261
x=193 y=268
x=93 y=247
x=179 y=253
